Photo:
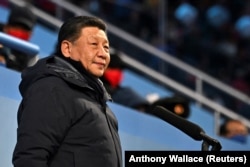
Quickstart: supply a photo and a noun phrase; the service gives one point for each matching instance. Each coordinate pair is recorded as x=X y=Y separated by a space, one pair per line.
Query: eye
x=106 y=47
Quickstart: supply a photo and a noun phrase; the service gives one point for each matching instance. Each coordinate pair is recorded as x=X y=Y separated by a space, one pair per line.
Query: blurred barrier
x=18 y=44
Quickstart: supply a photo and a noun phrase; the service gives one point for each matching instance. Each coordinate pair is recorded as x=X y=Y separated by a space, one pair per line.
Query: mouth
x=100 y=64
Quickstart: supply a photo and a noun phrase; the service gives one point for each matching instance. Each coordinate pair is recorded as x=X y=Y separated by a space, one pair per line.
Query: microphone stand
x=208 y=141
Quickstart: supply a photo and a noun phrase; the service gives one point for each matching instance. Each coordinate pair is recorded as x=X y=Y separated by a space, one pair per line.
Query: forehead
x=94 y=33
x=235 y=124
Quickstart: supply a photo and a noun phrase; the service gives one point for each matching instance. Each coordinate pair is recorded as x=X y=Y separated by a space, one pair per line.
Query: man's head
x=235 y=130
x=84 y=39
x=21 y=22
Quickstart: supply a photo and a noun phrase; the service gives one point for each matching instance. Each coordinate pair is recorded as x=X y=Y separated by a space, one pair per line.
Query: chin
x=98 y=74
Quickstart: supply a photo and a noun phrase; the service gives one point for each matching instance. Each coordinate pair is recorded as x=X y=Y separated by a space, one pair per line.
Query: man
x=235 y=130
x=63 y=119
x=20 y=24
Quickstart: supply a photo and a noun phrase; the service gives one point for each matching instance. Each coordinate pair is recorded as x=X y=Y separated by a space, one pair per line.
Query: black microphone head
x=191 y=129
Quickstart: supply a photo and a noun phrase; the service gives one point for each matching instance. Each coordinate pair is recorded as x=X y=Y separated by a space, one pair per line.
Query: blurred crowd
x=20 y=24
x=212 y=36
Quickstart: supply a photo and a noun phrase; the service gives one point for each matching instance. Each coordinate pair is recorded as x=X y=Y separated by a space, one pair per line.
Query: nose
x=103 y=52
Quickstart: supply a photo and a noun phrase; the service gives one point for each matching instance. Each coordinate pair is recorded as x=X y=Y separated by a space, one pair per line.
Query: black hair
x=71 y=29
x=116 y=61
x=223 y=130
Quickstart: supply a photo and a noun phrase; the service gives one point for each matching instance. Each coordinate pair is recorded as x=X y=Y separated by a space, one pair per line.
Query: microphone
x=191 y=129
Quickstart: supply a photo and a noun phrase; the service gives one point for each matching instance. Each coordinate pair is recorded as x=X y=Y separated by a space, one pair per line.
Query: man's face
x=91 y=49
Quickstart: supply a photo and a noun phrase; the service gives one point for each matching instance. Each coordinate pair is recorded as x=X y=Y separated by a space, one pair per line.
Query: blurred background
x=196 y=50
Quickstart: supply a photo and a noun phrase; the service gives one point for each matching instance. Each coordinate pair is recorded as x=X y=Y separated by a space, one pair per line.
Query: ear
x=66 y=48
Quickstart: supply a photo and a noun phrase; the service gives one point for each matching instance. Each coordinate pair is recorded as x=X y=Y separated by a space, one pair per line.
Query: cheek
x=85 y=60
x=108 y=59
x=74 y=55
x=107 y=62
x=79 y=54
